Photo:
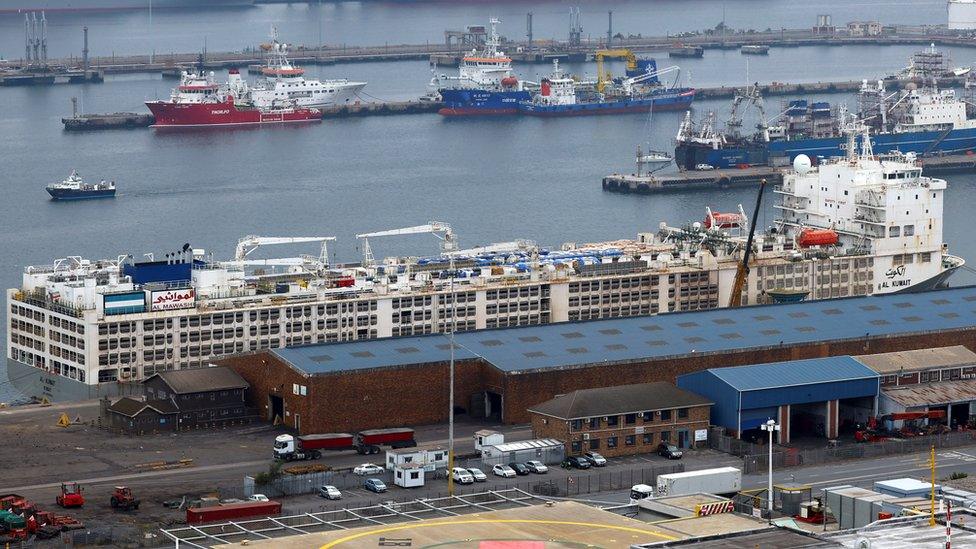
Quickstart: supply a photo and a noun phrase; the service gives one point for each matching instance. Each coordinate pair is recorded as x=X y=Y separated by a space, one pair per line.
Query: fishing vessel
x=925 y=121
x=200 y=101
x=73 y=187
x=561 y=95
x=81 y=328
x=484 y=84
x=285 y=84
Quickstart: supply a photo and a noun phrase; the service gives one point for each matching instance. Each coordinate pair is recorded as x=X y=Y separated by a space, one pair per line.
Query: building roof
x=582 y=343
x=934 y=394
x=200 y=380
x=131 y=407
x=623 y=399
x=921 y=359
x=793 y=373
x=527 y=445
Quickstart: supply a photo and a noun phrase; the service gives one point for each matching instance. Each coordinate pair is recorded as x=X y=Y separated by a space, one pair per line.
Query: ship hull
x=71 y=194
x=170 y=114
x=670 y=101
x=475 y=102
x=21 y=6
x=35 y=383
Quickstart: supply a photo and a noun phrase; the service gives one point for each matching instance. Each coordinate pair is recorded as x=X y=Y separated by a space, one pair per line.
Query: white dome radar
x=802 y=164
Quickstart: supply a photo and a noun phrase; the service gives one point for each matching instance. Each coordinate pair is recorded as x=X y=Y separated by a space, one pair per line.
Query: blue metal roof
x=569 y=344
x=793 y=373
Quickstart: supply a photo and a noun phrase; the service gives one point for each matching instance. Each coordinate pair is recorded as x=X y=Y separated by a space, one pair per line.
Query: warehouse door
x=276 y=408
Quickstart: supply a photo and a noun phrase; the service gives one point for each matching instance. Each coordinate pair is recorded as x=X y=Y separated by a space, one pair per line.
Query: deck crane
x=735 y=300
x=604 y=77
x=440 y=230
x=250 y=243
x=629 y=83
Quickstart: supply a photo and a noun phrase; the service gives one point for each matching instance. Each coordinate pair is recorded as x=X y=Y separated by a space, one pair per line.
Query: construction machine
x=123 y=500
x=742 y=272
x=70 y=495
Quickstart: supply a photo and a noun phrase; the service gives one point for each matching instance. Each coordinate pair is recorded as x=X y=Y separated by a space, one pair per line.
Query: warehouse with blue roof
x=500 y=373
x=805 y=397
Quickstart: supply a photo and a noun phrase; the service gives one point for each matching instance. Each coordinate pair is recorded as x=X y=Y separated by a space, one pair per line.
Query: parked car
x=669 y=451
x=520 y=468
x=576 y=462
x=330 y=492
x=368 y=469
x=503 y=471
x=462 y=475
x=537 y=467
x=258 y=497
x=477 y=474
x=595 y=459
x=704 y=167
x=374 y=485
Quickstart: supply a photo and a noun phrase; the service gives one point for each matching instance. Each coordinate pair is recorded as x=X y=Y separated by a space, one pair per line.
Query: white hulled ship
x=856 y=226
x=284 y=83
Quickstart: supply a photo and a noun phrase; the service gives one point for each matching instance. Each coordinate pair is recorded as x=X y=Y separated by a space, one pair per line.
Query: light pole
x=450 y=424
x=770 y=426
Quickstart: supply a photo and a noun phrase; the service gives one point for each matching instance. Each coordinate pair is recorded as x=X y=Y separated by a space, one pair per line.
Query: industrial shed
x=806 y=397
x=501 y=373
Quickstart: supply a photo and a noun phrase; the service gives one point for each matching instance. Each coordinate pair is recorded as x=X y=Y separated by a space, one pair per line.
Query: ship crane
x=754 y=98
x=629 y=83
x=248 y=244
x=742 y=271
x=441 y=230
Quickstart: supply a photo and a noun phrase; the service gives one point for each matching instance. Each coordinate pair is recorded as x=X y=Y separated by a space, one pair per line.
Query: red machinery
x=123 y=499
x=70 y=495
x=198 y=515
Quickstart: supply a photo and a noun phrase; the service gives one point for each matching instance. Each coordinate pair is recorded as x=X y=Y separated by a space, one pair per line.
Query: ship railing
x=40 y=299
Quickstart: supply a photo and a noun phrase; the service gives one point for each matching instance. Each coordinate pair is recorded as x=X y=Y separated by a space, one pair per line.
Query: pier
x=751 y=176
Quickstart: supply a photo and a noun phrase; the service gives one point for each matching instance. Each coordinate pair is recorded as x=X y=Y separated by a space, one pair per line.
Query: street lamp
x=770 y=426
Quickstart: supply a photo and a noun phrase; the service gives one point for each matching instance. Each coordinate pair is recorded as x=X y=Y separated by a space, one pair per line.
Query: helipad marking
x=336 y=543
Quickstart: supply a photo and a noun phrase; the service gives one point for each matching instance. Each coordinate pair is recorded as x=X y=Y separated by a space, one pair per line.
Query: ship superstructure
x=78 y=327
x=284 y=84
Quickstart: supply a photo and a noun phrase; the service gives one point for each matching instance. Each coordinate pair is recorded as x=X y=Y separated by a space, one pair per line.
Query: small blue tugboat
x=74 y=188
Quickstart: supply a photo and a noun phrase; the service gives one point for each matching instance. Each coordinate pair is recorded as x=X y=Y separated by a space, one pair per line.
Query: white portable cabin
x=487 y=437
x=546 y=450
x=430 y=458
x=408 y=476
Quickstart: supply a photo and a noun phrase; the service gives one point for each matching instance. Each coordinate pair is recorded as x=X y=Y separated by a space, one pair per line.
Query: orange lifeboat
x=723 y=220
x=818 y=237
x=509 y=81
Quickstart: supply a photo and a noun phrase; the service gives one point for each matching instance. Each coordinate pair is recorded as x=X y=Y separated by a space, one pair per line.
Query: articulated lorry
x=304 y=447
x=718 y=481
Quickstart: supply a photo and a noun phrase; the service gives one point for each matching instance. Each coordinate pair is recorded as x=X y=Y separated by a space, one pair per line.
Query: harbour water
x=492 y=179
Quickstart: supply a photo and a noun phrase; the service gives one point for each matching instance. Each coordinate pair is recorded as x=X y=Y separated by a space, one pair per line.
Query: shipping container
x=327 y=441
x=233 y=511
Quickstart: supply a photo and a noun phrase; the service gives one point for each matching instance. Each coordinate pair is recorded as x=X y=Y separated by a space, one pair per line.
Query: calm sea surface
x=492 y=179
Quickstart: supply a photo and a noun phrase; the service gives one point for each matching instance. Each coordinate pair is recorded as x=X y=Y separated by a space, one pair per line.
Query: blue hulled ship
x=74 y=188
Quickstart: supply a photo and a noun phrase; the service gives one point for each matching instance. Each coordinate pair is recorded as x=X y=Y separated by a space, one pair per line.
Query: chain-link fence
x=793 y=457
x=576 y=483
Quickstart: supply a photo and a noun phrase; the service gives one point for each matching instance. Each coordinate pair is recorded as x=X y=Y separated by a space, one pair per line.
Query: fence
x=718 y=440
x=574 y=484
x=792 y=457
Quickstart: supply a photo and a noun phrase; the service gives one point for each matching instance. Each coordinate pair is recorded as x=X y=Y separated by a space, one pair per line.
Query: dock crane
x=248 y=244
x=743 y=269
x=441 y=230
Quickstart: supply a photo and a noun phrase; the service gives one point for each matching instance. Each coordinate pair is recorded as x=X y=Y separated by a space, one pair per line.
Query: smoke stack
x=84 y=52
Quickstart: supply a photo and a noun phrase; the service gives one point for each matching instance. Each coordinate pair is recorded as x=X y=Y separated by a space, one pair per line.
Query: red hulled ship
x=200 y=101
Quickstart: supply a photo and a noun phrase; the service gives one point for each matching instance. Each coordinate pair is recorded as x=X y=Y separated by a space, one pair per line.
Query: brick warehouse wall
x=549 y=427
x=417 y=395
x=351 y=401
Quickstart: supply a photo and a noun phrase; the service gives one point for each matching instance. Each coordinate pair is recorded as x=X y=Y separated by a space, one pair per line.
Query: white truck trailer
x=718 y=481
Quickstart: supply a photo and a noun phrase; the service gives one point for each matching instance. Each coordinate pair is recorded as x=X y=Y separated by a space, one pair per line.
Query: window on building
x=665 y=415
x=630 y=419
x=612 y=421
x=647 y=416
x=647 y=438
x=576 y=425
x=630 y=440
x=611 y=442
x=665 y=436
x=594 y=444
x=682 y=413
x=576 y=447
x=594 y=423
x=894 y=231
